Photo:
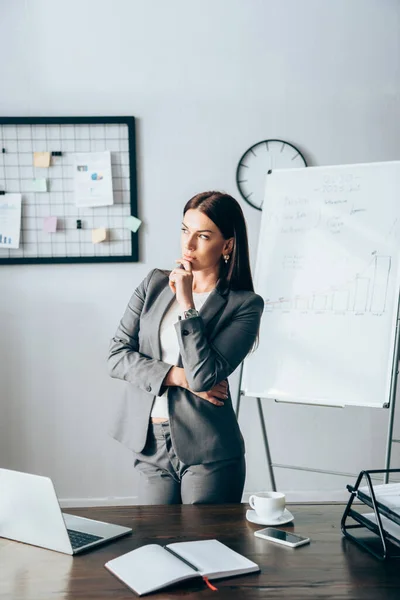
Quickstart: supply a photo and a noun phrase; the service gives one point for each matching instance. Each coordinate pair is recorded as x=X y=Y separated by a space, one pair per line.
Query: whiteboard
x=328 y=270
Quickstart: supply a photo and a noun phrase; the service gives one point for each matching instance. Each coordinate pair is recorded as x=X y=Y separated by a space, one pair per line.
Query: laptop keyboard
x=79 y=539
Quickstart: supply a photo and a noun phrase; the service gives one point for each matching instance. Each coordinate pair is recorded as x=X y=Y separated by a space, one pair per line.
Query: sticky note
x=41 y=159
x=50 y=224
x=99 y=235
x=133 y=223
x=40 y=185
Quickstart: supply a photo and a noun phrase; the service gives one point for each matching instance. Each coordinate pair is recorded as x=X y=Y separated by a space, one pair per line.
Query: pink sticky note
x=50 y=224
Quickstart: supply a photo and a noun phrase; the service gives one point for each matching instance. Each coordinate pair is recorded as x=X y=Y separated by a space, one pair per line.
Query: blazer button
x=185 y=332
x=148 y=388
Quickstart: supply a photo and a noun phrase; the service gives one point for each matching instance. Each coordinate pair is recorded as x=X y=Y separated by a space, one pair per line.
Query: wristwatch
x=190 y=313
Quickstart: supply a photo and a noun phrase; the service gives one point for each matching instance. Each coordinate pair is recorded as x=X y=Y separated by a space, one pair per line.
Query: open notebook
x=153 y=567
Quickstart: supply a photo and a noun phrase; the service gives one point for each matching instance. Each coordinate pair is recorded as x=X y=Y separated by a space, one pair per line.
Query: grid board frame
x=123 y=164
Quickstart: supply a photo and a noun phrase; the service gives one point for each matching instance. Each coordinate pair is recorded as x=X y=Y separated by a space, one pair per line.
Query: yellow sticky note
x=99 y=235
x=41 y=159
x=133 y=223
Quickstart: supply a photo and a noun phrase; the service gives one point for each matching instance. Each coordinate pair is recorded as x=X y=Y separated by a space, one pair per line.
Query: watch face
x=255 y=163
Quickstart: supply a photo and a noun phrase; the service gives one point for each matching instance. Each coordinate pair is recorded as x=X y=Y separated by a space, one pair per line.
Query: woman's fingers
x=173 y=275
x=218 y=394
x=182 y=278
x=209 y=397
x=223 y=386
x=187 y=265
x=224 y=383
x=214 y=400
x=178 y=274
x=221 y=389
x=215 y=397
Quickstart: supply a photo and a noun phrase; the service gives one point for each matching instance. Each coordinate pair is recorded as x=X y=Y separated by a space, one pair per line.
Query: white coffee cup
x=268 y=505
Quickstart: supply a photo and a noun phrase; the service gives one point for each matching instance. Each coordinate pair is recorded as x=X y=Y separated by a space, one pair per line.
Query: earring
x=226 y=257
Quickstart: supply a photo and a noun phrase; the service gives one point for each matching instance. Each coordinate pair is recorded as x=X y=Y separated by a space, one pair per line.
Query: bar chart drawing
x=362 y=285
x=5 y=239
x=365 y=293
x=381 y=268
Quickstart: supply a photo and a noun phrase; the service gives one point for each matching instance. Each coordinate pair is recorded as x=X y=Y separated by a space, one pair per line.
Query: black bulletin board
x=20 y=137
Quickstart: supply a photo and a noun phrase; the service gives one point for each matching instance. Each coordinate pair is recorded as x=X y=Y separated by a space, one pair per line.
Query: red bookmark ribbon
x=210 y=585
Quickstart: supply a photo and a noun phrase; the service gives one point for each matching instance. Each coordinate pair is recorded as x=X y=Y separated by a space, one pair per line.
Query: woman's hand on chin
x=181 y=284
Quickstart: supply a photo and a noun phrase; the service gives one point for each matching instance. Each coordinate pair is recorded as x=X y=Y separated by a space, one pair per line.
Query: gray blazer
x=211 y=347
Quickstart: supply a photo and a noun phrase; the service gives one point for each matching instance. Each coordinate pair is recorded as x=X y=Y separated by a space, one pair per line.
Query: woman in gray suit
x=183 y=333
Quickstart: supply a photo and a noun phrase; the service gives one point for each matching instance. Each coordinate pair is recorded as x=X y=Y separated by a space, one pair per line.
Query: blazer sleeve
x=124 y=359
x=207 y=363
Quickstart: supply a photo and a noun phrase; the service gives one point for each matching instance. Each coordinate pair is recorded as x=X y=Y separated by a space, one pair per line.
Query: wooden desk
x=330 y=567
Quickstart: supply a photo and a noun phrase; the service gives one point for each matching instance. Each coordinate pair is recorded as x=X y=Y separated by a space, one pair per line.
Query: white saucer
x=286 y=517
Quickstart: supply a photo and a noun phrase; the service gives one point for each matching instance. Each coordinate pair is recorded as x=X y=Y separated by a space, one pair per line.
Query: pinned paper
x=133 y=223
x=99 y=235
x=41 y=159
x=10 y=220
x=40 y=185
x=92 y=179
x=50 y=224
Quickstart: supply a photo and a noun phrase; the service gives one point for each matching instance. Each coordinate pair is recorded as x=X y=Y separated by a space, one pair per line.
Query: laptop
x=30 y=513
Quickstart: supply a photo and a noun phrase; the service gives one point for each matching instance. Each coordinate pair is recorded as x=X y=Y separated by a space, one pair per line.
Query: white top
x=170 y=346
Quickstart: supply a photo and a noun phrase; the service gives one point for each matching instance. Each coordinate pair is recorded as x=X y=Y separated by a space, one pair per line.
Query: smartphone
x=282 y=537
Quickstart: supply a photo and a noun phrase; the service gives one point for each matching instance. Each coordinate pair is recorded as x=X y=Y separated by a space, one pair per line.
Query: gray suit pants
x=164 y=479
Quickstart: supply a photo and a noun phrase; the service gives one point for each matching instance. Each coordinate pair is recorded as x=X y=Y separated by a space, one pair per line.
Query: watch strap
x=190 y=313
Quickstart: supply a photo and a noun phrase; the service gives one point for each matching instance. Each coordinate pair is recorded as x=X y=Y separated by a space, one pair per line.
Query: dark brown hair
x=226 y=213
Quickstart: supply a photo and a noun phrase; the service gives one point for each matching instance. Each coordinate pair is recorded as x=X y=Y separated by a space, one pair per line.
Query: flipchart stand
x=263 y=429
x=389 y=441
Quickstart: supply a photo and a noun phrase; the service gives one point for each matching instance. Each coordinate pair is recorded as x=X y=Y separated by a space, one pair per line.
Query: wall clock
x=258 y=160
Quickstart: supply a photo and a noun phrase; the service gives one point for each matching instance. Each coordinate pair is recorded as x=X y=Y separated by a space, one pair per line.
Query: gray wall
x=206 y=79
